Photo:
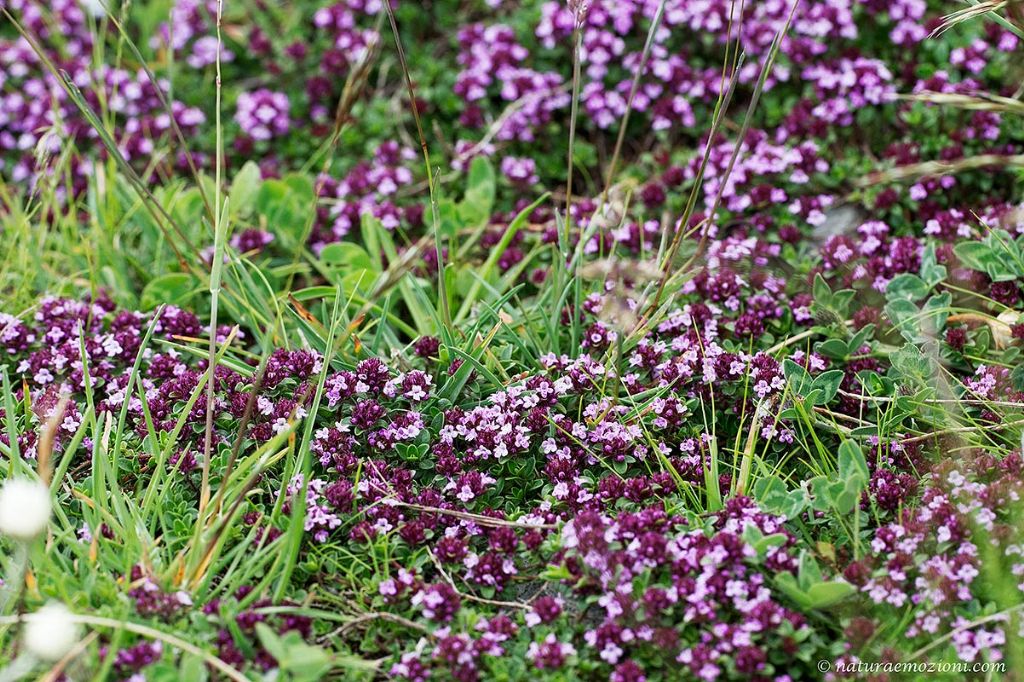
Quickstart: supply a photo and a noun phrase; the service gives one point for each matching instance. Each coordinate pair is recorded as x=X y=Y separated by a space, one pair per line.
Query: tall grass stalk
x=442 y=291
x=161 y=217
x=165 y=100
x=678 y=227
x=577 y=44
x=355 y=82
x=296 y=530
x=219 y=237
x=633 y=88
x=766 y=68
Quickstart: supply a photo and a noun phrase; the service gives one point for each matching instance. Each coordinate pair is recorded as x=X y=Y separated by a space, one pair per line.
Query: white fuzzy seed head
x=94 y=8
x=50 y=632
x=24 y=508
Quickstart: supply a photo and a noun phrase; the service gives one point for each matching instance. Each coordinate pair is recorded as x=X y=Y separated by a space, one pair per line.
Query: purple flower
x=550 y=653
x=263 y=114
x=520 y=171
x=438 y=602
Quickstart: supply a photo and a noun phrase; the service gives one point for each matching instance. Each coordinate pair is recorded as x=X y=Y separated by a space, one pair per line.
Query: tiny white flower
x=50 y=632
x=24 y=508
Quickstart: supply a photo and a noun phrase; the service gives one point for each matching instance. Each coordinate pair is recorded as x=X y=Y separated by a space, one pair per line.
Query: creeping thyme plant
x=614 y=340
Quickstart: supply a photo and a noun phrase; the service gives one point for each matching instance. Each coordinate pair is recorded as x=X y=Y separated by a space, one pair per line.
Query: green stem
x=219 y=230
x=577 y=39
x=145 y=631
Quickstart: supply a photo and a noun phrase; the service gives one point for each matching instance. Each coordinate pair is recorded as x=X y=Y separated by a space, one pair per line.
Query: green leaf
x=476 y=206
x=174 y=288
x=799 y=379
x=271 y=642
x=821 y=493
x=350 y=266
x=935 y=312
x=789 y=586
x=556 y=573
x=189 y=210
x=908 y=286
x=906 y=317
x=931 y=272
x=769 y=491
x=314 y=293
x=841 y=301
x=192 y=668
x=796 y=502
x=975 y=255
x=860 y=338
x=287 y=205
x=833 y=348
x=751 y=534
x=912 y=367
x=821 y=291
x=301 y=185
x=448 y=215
x=809 y=572
x=828 y=383
x=348 y=256
x=824 y=594
x=301 y=662
x=851 y=461
x=773 y=496
x=481 y=178
x=875 y=384
x=767 y=542
x=1017 y=377
x=487 y=271
x=245 y=187
x=845 y=496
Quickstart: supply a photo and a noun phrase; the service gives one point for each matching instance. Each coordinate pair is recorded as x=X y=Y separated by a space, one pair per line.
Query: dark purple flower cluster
x=153 y=601
x=492 y=59
x=927 y=564
x=873 y=257
x=38 y=119
x=130 y=661
x=704 y=602
x=669 y=589
x=263 y=114
x=238 y=644
x=369 y=188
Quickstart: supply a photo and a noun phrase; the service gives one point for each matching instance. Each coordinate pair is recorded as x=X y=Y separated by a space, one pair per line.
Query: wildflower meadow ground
x=473 y=340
